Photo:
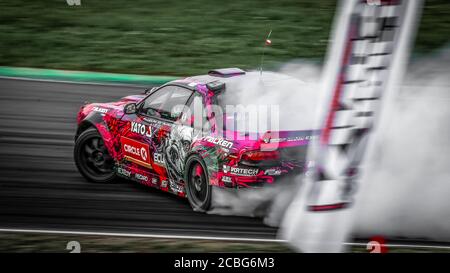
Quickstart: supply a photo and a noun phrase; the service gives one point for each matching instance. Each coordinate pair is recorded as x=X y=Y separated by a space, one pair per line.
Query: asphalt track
x=40 y=187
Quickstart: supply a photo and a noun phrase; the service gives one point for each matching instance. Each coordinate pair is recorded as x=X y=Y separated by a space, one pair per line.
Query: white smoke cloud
x=268 y=202
x=298 y=101
x=408 y=178
x=297 y=98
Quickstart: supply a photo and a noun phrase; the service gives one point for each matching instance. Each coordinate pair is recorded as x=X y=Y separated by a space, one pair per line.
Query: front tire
x=92 y=158
x=198 y=189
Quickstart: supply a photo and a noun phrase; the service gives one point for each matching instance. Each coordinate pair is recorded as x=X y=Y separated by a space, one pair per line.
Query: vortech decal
x=141 y=129
x=244 y=171
x=159 y=159
x=219 y=141
x=136 y=151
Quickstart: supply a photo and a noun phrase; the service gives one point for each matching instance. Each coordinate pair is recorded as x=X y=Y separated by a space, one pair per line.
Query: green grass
x=176 y=37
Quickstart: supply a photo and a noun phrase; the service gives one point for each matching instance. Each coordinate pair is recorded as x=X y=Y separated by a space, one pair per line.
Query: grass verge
x=177 y=37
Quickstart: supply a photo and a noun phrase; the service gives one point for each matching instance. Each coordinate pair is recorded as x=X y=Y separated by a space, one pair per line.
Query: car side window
x=163 y=103
x=153 y=102
x=195 y=115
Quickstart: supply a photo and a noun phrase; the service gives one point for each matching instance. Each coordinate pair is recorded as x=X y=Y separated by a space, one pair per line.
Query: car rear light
x=260 y=155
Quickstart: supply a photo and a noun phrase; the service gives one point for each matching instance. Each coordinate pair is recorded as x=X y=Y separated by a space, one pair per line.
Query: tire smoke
x=409 y=188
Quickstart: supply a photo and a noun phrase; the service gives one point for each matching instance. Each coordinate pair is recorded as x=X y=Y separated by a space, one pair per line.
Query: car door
x=153 y=125
x=136 y=140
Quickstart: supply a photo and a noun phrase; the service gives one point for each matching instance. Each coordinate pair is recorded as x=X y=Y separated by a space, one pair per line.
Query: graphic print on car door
x=148 y=144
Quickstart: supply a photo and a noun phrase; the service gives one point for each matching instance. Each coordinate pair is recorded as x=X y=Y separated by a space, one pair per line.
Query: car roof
x=266 y=77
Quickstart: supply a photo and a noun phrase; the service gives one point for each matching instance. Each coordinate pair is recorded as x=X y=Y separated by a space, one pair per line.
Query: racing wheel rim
x=94 y=158
x=198 y=185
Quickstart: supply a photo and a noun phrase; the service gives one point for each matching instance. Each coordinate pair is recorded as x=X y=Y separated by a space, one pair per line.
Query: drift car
x=146 y=138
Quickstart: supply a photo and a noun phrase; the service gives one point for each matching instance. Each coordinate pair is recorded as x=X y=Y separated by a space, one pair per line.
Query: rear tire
x=198 y=189
x=92 y=158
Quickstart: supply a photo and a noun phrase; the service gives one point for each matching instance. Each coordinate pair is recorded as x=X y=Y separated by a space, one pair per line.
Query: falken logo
x=159 y=159
x=141 y=129
x=219 y=141
x=243 y=171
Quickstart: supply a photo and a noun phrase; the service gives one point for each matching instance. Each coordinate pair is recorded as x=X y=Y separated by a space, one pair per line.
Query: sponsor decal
x=159 y=159
x=226 y=179
x=141 y=129
x=244 y=171
x=301 y=138
x=164 y=184
x=141 y=177
x=226 y=168
x=154 y=181
x=136 y=151
x=276 y=140
x=175 y=187
x=219 y=141
x=100 y=110
x=123 y=172
x=272 y=172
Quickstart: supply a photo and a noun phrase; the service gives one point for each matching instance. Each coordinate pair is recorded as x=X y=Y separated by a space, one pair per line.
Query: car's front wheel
x=92 y=158
x=198 y=189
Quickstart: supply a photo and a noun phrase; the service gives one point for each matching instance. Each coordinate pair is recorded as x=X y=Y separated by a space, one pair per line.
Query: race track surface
x=40 y=187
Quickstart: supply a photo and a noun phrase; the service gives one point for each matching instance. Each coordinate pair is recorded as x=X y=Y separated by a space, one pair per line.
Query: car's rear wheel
x=92 y=158
x=198 y=189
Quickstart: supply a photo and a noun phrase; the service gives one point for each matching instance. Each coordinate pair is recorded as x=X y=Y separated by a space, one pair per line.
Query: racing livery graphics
x=148 y=138
x=135 y=151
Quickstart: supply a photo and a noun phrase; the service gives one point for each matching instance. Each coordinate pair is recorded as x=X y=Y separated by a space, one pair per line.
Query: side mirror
x=130 y=108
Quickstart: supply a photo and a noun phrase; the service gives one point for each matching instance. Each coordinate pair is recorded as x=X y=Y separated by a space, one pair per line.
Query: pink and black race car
x=173 y=138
